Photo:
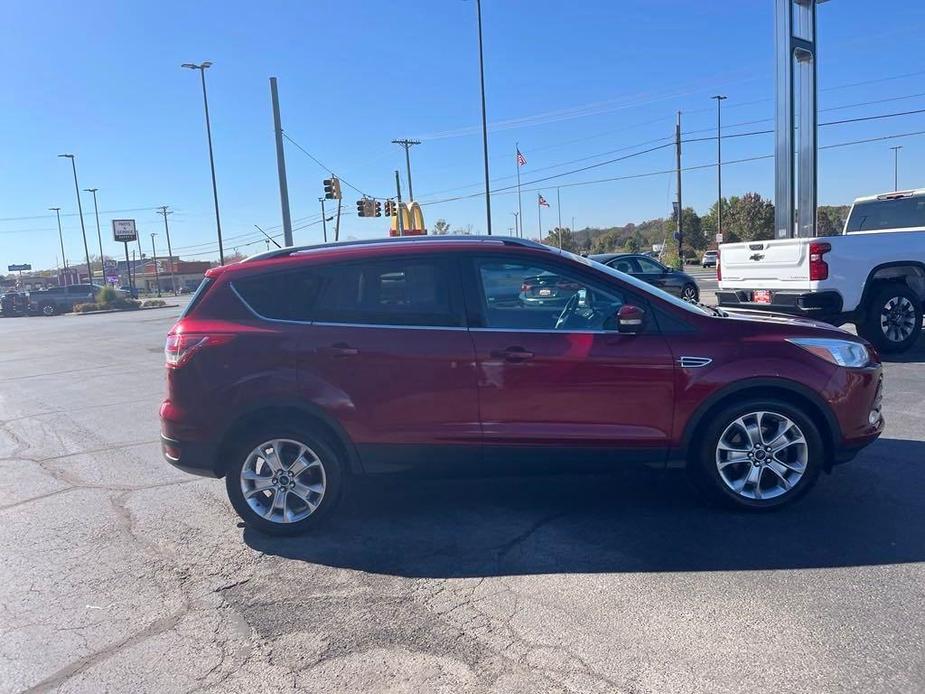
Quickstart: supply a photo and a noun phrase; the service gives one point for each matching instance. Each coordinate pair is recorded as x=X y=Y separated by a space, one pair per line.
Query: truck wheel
x=893 y=318
x=48 y=309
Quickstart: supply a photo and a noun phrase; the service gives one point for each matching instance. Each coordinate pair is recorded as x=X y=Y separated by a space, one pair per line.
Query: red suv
x=298 y=369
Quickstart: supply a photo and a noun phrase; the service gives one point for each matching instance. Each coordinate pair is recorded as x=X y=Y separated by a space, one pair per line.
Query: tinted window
x=650 y=267
x=624 y=265
x=278 y=295
x=80 y=289
x=394 y=292
x=519 y=296
x=887 y=214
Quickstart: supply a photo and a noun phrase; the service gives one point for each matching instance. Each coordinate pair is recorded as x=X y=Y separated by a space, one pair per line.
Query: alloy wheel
x=689 y=293
x=897 y=319
x=762 y=455
x=283 y=481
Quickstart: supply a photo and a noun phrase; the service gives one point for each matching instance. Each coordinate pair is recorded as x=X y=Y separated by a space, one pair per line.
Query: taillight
x=719 y=271
x=526 y=287
x=180 y=347
x=818 y=268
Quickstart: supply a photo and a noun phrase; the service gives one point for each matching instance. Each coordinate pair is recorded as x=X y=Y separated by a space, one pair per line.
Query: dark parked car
x=650 y=270
x=14 y=303
x=50 y=302
x=298 y=369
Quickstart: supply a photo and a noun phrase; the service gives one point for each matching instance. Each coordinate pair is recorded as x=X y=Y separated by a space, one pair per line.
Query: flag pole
x=539 y=215
x=520 y=207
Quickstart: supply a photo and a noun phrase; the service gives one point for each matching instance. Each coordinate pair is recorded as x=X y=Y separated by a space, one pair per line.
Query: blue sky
x=588 y=81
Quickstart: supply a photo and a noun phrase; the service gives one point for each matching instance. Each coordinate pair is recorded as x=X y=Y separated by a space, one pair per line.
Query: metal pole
x=157 y=277
x=205 y=101
x=134 y=266
x=281 y=165
x=60 y=235
x=324 y=221
x=478 y=5
x=128 y=270
x=401 y=221
x=337 y=222
x=677 y=141
x=520 y=207
x=517 y=224
x=539 y=219
x=407 y=144
x=719 y=163
x=896 y=166
x=80 y=211
x=173 y=277
x=99 y=235
x=559 y=210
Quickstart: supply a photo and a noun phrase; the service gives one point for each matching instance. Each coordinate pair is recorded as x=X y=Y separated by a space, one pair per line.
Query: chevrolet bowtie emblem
x=756 y=257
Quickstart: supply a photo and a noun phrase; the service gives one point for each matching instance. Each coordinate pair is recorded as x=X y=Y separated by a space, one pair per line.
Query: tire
x=800 y=462
x=892 y=318
x=689 y=292
x=320 y=483
x=48 y=309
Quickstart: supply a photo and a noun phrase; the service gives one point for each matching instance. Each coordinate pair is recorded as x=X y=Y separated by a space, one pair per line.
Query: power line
x=328 y=169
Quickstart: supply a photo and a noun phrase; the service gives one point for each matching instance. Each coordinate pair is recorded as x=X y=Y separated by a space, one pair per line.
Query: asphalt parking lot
x=120 y=573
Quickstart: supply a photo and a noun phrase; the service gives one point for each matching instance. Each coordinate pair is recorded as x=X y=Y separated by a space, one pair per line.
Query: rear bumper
x=191 y=456
x=823 y=305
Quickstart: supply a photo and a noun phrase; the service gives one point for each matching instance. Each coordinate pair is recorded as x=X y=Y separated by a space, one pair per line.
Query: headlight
x=840 y=352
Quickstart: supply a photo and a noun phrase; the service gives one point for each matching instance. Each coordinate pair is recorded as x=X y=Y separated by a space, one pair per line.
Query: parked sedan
x=653 y=272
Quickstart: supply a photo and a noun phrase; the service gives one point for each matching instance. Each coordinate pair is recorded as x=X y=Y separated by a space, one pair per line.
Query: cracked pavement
x=120 y=573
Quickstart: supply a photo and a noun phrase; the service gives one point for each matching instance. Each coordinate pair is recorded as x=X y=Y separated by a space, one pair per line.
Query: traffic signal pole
x=324 y=221
x=401 y=222
x=281 y=165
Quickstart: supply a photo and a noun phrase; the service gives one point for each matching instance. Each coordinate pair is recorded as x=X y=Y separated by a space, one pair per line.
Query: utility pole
x=896 y=166
x=337 y=223
x=205 y=101
x=517 y=224
x=407 y=144
x=324 y=220
x=478 y=6
x=60 y=236
x=559 y=210
x=520 y=205
x=401 y=221
x=680 y=229
x=80 y=211
x=173 y=277
x=99 y=235
x=281 y=165
x=157 y=277
x=719 y=162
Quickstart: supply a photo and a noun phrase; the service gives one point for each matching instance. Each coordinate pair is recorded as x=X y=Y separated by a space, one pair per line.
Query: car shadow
x=868 y=512
x=915 y=354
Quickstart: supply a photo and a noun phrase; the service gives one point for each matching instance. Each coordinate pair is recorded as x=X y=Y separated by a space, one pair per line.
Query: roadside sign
x=19 y=268
x=719 y=238
x=123 y=230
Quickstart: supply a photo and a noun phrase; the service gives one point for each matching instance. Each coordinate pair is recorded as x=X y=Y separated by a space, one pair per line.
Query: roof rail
x=292 y=250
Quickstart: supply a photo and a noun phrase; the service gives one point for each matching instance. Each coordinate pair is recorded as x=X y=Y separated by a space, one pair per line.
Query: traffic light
x=332 y=188
x=378 y=208
x=361 y=208
x=389 y=208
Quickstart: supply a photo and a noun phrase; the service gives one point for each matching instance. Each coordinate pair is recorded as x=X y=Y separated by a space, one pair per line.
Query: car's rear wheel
x=759 y=454
x=48 y=309
x=284 y=481
x=893 y=318
x=689 y=292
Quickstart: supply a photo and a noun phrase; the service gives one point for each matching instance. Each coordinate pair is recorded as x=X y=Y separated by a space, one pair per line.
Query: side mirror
x=630 y=319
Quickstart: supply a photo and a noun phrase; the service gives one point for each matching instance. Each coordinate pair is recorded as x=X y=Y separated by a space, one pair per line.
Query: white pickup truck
x=872 y=275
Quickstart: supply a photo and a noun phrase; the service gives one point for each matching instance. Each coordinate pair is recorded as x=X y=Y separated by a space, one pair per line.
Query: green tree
x=634 y=243
x=440 y=227
x=751 y=218
x=564 y=235
x=830 y=219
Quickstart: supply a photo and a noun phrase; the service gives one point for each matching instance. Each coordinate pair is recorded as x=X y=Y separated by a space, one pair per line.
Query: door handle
x=512 y=354
x=339 y=349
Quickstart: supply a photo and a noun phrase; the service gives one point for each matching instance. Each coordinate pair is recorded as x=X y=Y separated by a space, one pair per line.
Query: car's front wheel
x=689 y=292
x=759 y=454
x=284 y=481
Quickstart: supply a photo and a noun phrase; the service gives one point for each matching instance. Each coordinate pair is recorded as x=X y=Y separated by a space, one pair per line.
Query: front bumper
x=819 y=305
x=191 y=456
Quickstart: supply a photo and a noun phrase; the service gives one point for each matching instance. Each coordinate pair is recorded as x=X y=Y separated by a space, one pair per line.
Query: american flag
x=521 y=159
x=541 y=200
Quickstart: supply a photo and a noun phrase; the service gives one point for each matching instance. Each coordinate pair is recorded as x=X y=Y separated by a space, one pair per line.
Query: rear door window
x=278 y=295
x=401 y=292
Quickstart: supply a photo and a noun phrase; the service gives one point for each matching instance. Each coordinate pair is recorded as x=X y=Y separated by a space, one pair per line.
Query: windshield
x=638 y=284
x=887 y=214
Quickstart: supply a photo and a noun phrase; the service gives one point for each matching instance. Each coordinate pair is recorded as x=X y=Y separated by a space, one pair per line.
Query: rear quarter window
x=280 y=295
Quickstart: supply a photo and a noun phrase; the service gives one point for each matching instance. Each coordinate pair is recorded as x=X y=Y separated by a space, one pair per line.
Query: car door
x=563 y=378
x=652 y=272
x=389 y=350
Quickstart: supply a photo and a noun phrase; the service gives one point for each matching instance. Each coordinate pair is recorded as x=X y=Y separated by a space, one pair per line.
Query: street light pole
x=99 y=235
x=57 y=211
x=173 y=276
x=205 y=101
x=478 y=5
x=719 y=162
x=80 y=211
x=157 y=277
x=896 y=166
